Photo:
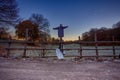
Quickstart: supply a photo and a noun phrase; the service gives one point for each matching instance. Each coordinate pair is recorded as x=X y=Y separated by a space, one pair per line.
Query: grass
x=34 y=53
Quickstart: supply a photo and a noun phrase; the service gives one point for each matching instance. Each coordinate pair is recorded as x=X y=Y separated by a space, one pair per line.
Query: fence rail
x=80 y=49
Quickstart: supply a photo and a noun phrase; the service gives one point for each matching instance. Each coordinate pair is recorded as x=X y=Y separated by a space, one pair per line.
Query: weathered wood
x=74 y=42
x=24 y=53
x=88 y=56
x=113 y=47
x=80 y=49
x=8 y=50
x=43 y=53
x=96 y=49
x=25 y=45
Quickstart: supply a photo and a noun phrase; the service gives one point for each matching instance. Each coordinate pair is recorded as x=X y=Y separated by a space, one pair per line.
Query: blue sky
x=79 y=15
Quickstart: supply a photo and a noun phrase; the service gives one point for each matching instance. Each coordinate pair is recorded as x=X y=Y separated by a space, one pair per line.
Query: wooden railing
x=80 y=49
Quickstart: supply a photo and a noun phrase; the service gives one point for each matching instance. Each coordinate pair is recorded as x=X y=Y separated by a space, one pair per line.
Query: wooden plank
x=80 y=49
x=87 y=56
x=54 y=49
x=74 y=42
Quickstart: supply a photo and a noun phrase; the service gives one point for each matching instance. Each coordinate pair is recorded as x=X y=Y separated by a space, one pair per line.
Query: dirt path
x=40 y=70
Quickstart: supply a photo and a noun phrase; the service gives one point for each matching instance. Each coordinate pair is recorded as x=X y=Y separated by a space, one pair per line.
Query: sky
x=79 y=15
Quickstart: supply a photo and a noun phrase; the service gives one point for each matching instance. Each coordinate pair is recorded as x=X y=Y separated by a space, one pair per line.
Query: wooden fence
x=80 y=49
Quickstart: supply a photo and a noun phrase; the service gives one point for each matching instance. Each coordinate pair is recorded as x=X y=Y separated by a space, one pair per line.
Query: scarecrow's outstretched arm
x=65 y=27
x=55 y=28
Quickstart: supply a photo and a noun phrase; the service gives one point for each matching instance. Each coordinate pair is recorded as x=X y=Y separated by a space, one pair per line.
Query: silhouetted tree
x=3 y=33
x=43 y=37
x=90 y=35
x=116 y=31
x=54 y=40
x=33 y=32
x=85 y=36
x=43 y=26
x=103 y=34
x=8 y=12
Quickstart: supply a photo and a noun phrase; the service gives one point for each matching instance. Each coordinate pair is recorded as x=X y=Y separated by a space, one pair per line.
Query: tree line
x=103 y=33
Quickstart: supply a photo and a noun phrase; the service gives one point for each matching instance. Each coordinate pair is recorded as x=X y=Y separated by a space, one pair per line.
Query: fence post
x=80 y=50
x=9 y=44
x=43 y=53
x=113 y=45
x=26 y=39
x=24 y=53
x=96 y=46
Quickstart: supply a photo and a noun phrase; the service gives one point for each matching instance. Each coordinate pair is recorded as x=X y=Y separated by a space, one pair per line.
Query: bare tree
x=8 y=12
x=3 y=33
x=43 y=26
x=41 y=22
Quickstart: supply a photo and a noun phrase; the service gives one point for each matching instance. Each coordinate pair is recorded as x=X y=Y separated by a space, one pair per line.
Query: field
x=36 y=53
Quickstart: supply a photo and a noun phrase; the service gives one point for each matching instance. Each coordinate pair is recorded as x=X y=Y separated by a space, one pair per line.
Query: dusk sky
x=79 y=15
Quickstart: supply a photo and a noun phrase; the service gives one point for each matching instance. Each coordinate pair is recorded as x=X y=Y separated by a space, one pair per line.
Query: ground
x=45 y=69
